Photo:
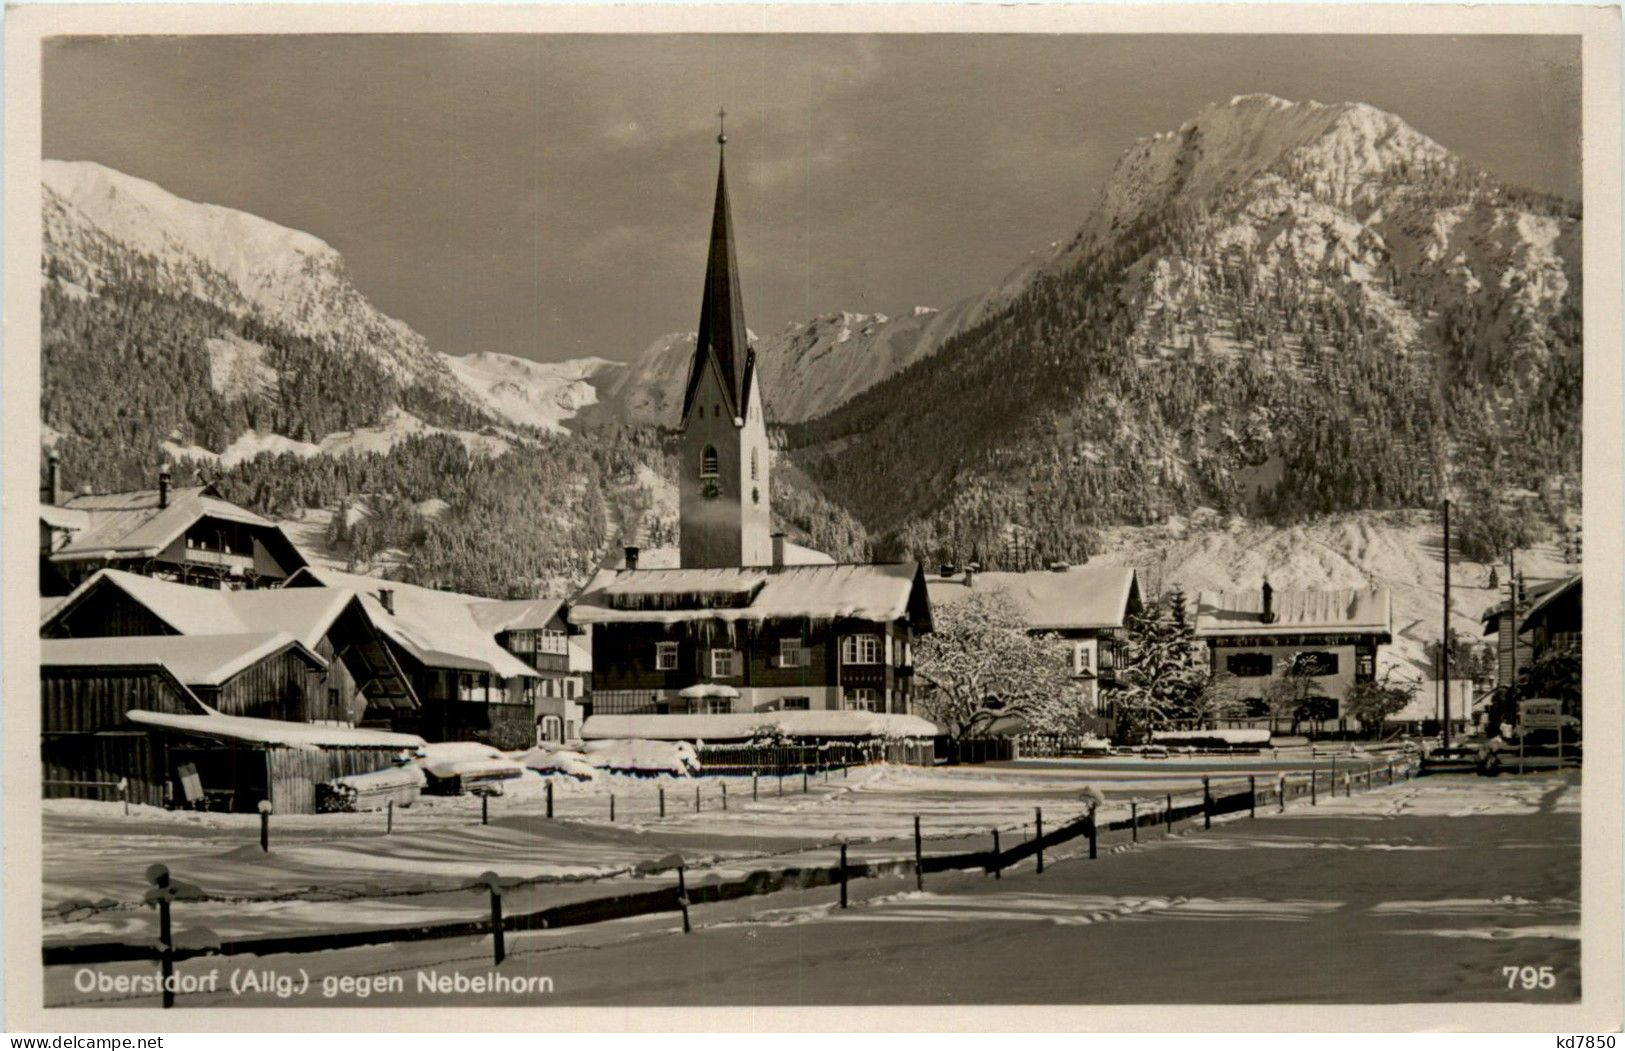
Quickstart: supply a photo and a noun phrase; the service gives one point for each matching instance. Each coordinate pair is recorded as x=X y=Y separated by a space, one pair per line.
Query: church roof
x=722 y=343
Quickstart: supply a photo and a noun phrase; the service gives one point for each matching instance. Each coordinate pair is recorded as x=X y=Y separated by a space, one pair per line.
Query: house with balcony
x=754 y=640
x=186 y=534
x=536 y=632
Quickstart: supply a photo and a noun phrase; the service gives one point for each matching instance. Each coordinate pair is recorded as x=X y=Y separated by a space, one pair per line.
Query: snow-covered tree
x=1375 y=700
x=981 y=664
x=1163 y=668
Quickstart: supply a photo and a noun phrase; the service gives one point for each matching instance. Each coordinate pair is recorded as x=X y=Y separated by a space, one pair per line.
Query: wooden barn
x=132 y=709
x=356 y=678
x=469 y=688
x=186 y=534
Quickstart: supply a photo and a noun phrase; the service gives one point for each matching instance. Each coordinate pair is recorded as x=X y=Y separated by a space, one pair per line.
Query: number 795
x=1529 y=977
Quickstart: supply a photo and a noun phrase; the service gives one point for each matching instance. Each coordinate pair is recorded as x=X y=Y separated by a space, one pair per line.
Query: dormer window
x=708 y=462
x=753 y=465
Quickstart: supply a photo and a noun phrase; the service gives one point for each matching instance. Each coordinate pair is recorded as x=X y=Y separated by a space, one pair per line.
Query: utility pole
x=1444 y=649
x=1512 y=607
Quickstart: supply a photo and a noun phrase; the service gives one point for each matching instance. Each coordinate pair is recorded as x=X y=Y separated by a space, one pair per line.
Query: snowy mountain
x=103 y=228
x=1279 y=309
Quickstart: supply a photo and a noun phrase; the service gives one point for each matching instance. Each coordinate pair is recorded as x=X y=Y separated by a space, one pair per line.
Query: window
x=863 y=699
x=1315 y=663
x=753 y=465
x=1249 y=665
x=333 y=711
x=860 y=649
x=551 y=728
x=1365 y=665
x=552 y=641
x=708 y=462
x=797 y=704
x=713 y=706
x=1083 y=658
x=791 y=654
x=665 y=656
x=722 y=664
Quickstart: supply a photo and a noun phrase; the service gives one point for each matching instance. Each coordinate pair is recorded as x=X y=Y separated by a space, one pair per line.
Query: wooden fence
x=1166 y=811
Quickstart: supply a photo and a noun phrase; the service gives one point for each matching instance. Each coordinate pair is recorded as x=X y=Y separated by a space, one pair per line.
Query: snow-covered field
x=1416 y=893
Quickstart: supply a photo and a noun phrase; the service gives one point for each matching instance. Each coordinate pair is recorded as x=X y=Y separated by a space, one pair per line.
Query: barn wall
x=105 y=612
x=280 y=687
x=295 y=773
x=85 y=757
x=87 y=700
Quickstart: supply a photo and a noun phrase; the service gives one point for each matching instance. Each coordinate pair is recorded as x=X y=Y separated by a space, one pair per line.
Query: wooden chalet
x=1084 y=608
x=758 y=639
x=1332 y=636
x=468 y=687
x=354 y=678
x=1549 y=616
x=537 y=633
x=187 y=534
x=158 y=714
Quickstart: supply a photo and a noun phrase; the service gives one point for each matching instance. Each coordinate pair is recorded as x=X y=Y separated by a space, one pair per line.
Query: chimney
x=631 y=556
x=1269 y=603
x=53 y=479
x=163 y=487
x=386 y=598
x=778 y=550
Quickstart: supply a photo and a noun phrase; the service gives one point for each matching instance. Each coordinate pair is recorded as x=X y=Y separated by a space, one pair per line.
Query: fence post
x=612 y=808
x=499 y=947
x=1038 y=836
x=124 y=793
x=919 y=857
x=389 y=817
x=1252 y=795
x=1280 y=789
x=804 y=779
x=265 y=826
x=696 y=799
x=1348 y=786
x=682 y=897
x=550 y=800
x=661 y=789
x=1390 y=771
x=843 y=875
x=1168 y=814
x=1094 y=834
x=1314 y=780
x=485 y=809
x=1207 y=804
x=781 y=782
x=724 y=797
x=1133 y=821
x=753 y=777
x=1334 y=777
x=158 y=876
x=998 y=866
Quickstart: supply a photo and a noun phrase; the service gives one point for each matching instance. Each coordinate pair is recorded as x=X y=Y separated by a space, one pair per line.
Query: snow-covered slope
x=533 y=393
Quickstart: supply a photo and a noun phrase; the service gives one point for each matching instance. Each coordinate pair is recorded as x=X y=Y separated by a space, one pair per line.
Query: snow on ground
x=237 y=367
x=398 y=426
x=1253 y=911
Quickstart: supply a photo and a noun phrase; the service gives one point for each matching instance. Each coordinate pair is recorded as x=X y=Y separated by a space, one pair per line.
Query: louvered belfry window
x=708 y=462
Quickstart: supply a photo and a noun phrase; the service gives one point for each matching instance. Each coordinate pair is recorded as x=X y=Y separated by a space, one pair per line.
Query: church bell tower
x=725 y=519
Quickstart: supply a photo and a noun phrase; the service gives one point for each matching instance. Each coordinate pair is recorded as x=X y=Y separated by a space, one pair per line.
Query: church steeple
x=725 y=515
x=722 y=342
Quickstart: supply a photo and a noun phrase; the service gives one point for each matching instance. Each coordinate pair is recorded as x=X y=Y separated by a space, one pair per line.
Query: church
x=745 y=623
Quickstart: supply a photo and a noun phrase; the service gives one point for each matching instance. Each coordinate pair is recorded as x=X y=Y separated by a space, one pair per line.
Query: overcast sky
x=550 y=196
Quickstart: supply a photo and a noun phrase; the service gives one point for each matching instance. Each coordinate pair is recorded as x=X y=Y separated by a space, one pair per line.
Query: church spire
x=722 y=342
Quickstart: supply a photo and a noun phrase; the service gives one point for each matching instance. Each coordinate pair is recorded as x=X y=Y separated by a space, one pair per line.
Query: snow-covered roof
x=736 y=726
x=64 y=517
x=196 y=660
x=1078 y=597
x=672 y=557
x=879 y=592
x=1296 y=612
x=304 y=736
x=132 y=525
x=306 y=614
x=708 y=689
x=1552 y=594
x=438 y=628
x=517 y=615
